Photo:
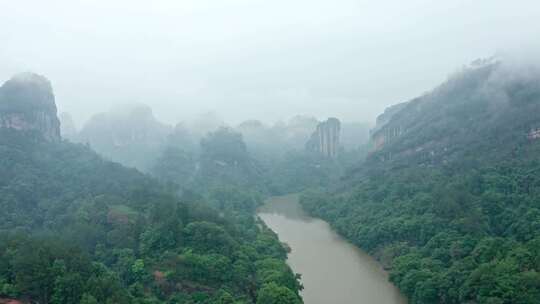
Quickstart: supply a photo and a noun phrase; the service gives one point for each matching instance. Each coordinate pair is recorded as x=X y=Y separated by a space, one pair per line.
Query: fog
x=243 y=59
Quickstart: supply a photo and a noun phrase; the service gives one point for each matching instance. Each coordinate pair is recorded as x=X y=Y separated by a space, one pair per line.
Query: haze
x=251 y=58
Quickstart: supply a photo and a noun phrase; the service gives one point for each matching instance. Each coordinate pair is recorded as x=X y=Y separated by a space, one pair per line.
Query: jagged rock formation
x=325 y=139
x=27 y=104
x=381 y=135
x=68 y=130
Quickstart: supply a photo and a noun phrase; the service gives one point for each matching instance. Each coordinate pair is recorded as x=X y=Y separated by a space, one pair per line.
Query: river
x=332 y=269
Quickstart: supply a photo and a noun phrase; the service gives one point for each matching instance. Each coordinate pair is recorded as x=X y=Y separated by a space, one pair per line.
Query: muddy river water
x=332 y=269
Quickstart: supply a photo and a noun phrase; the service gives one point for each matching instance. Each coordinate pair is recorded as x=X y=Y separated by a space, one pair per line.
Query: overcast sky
x=254 y=58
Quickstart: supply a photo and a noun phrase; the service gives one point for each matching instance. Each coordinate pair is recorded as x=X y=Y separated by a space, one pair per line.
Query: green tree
x=272 y=293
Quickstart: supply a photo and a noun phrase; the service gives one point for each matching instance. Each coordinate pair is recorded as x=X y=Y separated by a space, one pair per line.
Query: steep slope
x=325 y=140
x=75 y=228
x=490 y=105
x=449 y=198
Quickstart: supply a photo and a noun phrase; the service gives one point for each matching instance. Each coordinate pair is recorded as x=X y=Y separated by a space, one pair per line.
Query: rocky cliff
x=27 y=104
x=325 y=139
x=482 y=105
x=380 y=134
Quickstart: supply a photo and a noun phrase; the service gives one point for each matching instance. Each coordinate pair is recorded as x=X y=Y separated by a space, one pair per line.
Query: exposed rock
x=385 y=135
x=387 y=115
x=534 y=134
x=325 y=139
x=381 y=134
x=9 y=301
x=484 y=104
x=27 y=104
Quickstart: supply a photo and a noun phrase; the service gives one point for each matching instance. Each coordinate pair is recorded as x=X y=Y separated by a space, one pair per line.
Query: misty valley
x=438 y=202
x=269 y=152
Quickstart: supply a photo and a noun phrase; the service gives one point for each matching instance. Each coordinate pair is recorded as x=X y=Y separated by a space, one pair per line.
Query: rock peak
x=27 y=104
x=325 y=139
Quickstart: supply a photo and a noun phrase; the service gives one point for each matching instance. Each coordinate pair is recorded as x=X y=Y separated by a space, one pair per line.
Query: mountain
x=76 y=228
x=326 y=138
x=128 y=134
x=68 y=130
x=490 y=104
x=27 y=104
x=222 y=159
x=448 y=199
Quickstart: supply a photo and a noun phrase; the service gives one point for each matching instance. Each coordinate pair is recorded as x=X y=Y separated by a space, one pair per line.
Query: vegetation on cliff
x=451 y=204
x=78 y=229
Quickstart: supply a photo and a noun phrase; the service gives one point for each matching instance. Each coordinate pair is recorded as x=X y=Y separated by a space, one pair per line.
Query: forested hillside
x=75 y=228
x=449 y=198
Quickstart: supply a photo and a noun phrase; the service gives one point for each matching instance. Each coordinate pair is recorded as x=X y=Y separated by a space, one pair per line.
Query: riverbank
x=333 y=270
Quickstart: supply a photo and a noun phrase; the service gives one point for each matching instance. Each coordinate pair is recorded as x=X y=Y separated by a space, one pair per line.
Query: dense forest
x=75 y=228
x=446 y=197
x=449 y=199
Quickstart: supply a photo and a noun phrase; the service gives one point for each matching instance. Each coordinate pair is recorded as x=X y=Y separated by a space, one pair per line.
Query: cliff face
x=325 y=139
x=380 y=134
x=479 y=106
x=27 y=104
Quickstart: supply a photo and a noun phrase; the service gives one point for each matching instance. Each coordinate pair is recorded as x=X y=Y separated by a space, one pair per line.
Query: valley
x=332 y=269
x=438 y=202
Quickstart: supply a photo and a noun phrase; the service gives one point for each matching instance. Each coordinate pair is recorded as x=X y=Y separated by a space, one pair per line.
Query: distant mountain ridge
x=129 y=134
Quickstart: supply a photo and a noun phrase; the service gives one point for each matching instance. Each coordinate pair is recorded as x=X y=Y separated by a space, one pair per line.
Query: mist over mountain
x=27 y=103
x=448 y=195
x=68 y=129
x=488 y=103
x=269 y=152
x=128 y=134
x=76 y=228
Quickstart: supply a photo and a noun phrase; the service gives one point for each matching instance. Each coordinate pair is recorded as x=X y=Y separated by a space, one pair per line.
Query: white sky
x=254 y=58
